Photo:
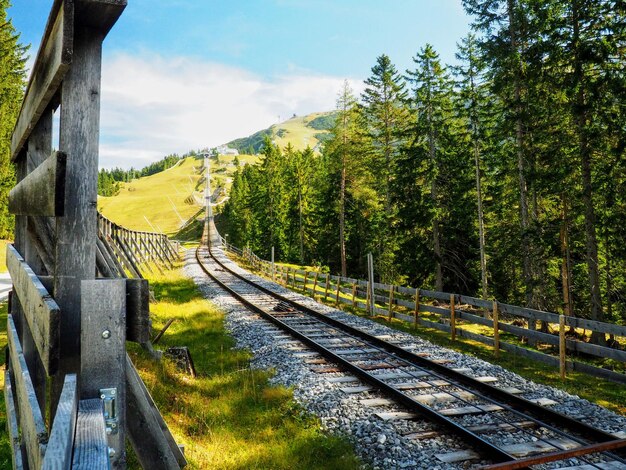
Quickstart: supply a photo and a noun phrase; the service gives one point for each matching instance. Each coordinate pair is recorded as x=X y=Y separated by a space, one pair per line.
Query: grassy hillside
x=300 y=131
x=169 y=196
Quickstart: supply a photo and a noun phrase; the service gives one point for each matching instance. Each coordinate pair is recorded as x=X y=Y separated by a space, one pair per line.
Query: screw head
x=106 y=334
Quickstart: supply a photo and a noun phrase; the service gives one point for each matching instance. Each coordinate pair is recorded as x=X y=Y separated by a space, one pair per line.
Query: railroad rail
x=427 y=388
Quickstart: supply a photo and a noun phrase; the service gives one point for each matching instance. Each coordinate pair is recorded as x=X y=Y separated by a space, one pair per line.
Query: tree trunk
x=342 y=217
x=434 y=195
x=481 y=221
x=521 y=163
x=566 y=267
x=582 y=119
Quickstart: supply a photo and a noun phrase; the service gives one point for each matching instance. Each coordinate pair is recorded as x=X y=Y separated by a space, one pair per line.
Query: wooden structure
x=72 y=394
x=124 y=253
x=450 y=312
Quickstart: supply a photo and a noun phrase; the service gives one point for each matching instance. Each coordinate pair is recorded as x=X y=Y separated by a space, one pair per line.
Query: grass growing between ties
x=229 y=417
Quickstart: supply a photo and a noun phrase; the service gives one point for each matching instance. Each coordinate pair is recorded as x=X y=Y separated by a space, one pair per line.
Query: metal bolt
x=106 y=334
x=111 y=451
x=102 y=397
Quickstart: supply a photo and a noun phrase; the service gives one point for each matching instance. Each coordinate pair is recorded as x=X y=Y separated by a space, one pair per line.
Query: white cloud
x=152 y=106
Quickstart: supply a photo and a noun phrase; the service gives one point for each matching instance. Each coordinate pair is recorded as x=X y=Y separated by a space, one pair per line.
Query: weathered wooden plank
x=52 y=63
x=14 y=433
x=103 y=350
x=59 y=450
x=76 y=231
x=41 y=311
x=42 y=236
x=42 y=192
x=31 y=420
x=99 y=14
x=90 y=440
x=137 y=310
x=149 y=435
x=106 y=249
x=601 y=327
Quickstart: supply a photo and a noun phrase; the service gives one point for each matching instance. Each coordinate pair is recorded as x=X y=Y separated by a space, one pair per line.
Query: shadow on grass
x=229 y=414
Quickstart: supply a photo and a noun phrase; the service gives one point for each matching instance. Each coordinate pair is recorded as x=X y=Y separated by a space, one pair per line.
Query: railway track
x=479 y=413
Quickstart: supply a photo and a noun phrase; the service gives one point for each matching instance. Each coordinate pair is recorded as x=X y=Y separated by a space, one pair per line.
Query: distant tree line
x=503 y=176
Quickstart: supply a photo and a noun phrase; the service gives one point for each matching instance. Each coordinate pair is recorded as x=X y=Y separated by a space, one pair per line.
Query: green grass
x=155 y=197
x=229 y=417
x=3 y=255
x=296 y=132
x=603 y=392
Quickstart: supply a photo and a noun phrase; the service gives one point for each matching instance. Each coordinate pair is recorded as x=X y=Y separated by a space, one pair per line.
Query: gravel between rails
x=380 y=444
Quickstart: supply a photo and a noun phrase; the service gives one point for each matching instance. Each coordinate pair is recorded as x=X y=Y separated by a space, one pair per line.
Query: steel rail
x=493 y=452
x=517 y=404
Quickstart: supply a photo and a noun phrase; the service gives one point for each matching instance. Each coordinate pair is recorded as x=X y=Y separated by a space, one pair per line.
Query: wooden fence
x=451 y=312
x=125 y=253
x=72 y=394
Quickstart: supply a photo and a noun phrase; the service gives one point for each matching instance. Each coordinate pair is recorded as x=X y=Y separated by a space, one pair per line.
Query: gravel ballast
x=380 y=444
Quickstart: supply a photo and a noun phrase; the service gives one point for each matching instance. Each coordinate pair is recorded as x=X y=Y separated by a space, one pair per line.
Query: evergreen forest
x=503 y=176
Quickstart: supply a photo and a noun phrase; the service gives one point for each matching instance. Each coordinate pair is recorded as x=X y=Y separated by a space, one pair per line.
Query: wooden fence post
x=353 y=294
x=452 y=318
x=306 y=275
x=562 y=346
x=496 y=329
x=390 y=314
x=337 y=295
x=327 y=286
x=273 y=266
x=416 y=312
x=103 y=356
x=315 y=283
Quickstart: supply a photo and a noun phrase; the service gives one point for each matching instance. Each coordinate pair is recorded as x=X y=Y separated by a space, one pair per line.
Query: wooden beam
x=42 y=192
x=32 y=424
x=99 y=14
x=150 y=437
x=59 y=450
x=91 y=451
x=52 y=63
x=14 y=433
x=137 y=310
x=76 y=231
x=103 y=351
x=40 y=309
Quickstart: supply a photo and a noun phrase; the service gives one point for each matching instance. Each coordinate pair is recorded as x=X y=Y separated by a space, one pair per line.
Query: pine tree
x=386 y=116
x=12 y=81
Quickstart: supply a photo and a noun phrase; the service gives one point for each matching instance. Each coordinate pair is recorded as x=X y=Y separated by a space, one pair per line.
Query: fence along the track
x=452 y=311
x=69 y=384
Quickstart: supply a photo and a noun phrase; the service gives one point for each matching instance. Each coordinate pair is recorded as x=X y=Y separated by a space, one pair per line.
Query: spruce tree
x=12 y=81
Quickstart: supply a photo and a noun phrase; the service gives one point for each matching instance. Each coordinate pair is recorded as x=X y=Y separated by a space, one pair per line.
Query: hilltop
x=170 y=197
x=301 y=131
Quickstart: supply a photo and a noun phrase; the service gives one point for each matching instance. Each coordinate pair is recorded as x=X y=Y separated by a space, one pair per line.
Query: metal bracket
x=108 y=396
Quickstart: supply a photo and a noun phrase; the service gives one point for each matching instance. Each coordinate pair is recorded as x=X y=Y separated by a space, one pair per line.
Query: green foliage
x=252 y=144
x=12 y=81
x=508 y=181
x=323 y=123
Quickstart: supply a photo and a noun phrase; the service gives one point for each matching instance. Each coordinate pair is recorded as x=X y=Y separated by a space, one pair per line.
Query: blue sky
x=186 y=74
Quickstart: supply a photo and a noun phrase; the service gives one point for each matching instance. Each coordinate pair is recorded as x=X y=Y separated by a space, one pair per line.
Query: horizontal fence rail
x=450 y=312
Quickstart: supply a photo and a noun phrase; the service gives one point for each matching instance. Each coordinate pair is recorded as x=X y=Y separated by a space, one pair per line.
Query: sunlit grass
x=3 y=255
x=229 y=416
x=603 y=392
